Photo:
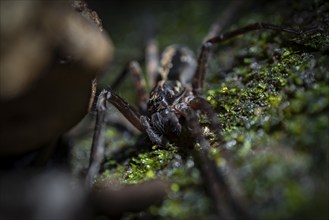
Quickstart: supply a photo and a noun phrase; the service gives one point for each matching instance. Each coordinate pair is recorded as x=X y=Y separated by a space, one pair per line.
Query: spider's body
x=169 y=98
x=167 y=102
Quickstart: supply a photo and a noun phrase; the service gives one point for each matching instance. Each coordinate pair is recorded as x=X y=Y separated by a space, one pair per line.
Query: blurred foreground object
x=50 y=55
x=41 y=195
x=38 y=194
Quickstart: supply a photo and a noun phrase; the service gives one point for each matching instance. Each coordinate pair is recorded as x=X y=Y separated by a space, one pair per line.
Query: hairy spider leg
x=197 y=83
x=134 y=69
x=227 y=16
x=155 y=138
x=97 y=147
x=126 y=109
x=227 y=206
x=198 y=78
x=199 y=103
x=142 y=95
x=152 y=62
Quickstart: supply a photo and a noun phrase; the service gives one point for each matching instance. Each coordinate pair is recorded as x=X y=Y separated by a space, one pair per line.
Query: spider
x=170 y=113
x=176 y=91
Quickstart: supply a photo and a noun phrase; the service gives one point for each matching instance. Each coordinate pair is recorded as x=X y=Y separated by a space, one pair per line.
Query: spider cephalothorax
x=165 y=112
x=165 y=94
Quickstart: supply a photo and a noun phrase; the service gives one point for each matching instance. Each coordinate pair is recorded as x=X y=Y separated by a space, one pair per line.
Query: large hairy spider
x=170 y=112
x=176 y=92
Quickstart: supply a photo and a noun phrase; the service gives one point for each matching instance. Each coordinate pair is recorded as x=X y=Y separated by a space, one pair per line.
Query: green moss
x=276 y=120
x=180 y=207
x=186 y=186
x=146 y=165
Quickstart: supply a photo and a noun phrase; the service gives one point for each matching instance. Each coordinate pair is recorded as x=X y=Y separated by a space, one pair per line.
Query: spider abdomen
x=177 y=63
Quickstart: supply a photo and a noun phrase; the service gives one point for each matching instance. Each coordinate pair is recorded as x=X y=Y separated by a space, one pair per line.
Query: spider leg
x=142 y=94
x=152 y=61
x=97 y=147
x=197 y=83
x=148 y=193
x=126 y=109
x=134 y=69
x=226 y=17
x=252 y=27
x=198 y=78
x=227 y=206
x=203 y=105
x=199 y=103
x=155 y=138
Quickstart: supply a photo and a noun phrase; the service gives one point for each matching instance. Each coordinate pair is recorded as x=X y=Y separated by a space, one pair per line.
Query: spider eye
x=159 y=99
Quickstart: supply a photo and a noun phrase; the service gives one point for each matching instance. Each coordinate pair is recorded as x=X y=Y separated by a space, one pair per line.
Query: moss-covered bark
x=271 y=93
